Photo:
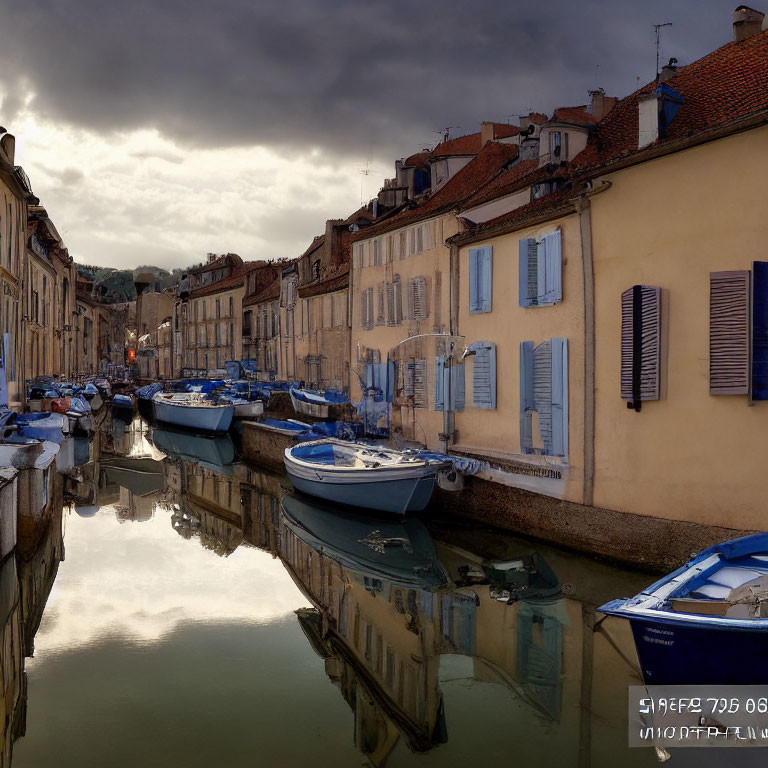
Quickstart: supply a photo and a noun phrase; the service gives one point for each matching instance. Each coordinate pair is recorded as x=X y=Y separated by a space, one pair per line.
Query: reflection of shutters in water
x=540 y=657
x=457 y=613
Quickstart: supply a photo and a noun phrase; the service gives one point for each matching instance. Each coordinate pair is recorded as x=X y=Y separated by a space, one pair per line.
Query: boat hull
x=394 y=492
x=249 y=410
x=206 y=418
x=674 y=653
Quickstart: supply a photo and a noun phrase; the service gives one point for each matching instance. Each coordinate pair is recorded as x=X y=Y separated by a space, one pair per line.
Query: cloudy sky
x=158 y=130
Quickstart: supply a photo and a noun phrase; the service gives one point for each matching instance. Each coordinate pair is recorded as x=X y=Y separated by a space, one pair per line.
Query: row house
x=49 y=292
x=214 y=320
x=85 y=328
x=261 y=319
x=400 y=297
x=15 y=197
x=614 y=322
x=315 y=308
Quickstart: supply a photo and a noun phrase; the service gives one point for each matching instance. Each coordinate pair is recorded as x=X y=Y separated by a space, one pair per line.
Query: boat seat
x=720 y=584
x=711 y=591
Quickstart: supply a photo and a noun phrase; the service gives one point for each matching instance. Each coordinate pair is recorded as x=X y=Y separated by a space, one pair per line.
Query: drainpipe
x=584 y=209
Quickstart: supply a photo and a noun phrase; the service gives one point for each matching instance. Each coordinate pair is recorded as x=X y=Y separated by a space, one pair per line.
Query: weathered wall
x=507 y=325
x=689 y=456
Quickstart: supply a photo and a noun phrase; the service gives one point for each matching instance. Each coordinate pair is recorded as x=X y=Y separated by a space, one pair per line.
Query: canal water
x=174 y=607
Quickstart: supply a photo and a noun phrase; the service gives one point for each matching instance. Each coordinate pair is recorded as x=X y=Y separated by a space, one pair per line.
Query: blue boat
x=213 y=452
x=146 y=393
x=44 y=425
x=361 y=475
x=310 y=402
x=706 y=623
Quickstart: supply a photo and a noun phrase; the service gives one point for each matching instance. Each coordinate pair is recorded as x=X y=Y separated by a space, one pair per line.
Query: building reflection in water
x=27 y=574
x=406 y=620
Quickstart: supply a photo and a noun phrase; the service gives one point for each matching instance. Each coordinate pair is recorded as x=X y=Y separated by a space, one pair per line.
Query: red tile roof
x=577 y=115
x=420 y=158
x=314 y=245
x=463 y=145
x=228 y=283
x=460 y=187
x=551 y=206
x=725 y=86
x=507 y=182
x=504 y=131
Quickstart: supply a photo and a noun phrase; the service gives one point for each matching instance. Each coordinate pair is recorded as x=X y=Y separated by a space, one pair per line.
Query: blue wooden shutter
x=553 y=269
x=486 y=278
x=369 y=375
x=475 y=280
x=559 y=389
x=484 y=375
x=457 y=389
x=542 y=392
x=760 y=330
x=529 y=272
x=526 y=396
x=439 y=382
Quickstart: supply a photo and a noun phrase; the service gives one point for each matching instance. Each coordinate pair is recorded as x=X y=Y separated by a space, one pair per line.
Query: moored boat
x=707 y=622
x=361 y=475
x=45 y=426
x=321 y=405
x=25 y=452
x=192 y=410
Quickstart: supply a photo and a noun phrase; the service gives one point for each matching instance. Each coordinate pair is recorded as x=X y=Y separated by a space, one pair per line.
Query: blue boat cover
x=149 y=391
x=330 y=396
x=317 y=454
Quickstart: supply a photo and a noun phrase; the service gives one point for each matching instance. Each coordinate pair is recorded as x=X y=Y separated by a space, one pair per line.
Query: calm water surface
x=201 y=617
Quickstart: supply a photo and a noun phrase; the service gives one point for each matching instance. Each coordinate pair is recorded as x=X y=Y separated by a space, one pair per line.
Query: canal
x=174 y=607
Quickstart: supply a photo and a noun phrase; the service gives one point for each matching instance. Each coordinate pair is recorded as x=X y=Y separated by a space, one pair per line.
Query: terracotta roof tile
x=460 y=187
x=420 y=158
x=727 y=85
x=228 y=283
x=577 y=115
x=508 y=181
x=463 y=145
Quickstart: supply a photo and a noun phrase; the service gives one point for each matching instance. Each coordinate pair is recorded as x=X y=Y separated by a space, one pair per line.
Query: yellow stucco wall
x=507 y=325
x=421 y=424
x=669 y=223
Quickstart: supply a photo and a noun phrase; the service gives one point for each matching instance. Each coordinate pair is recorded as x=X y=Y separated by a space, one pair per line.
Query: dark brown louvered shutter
x=640 y=344
x=729 y=333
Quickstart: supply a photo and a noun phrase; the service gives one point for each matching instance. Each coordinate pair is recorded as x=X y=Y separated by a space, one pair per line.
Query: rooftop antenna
x=445 y=134
x=658 y=27
x=367 y=171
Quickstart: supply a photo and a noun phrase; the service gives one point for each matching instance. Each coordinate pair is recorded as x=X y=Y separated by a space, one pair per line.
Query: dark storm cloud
x=356 y=78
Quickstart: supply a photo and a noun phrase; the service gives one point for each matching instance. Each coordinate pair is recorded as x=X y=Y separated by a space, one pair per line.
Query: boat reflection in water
x=216 y=453
x=397 y=618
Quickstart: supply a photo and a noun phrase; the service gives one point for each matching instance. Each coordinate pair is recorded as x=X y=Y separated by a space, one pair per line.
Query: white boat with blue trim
x=192 y=410
x=360 y=475
x=707 y=622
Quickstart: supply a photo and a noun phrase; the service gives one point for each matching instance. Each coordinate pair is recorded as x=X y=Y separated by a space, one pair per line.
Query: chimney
x=486 y=133
x=746 y=23
x=668 y=70
x=600 y=104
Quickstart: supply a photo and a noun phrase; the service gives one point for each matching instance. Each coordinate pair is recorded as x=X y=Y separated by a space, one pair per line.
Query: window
x=378 y=258
x=483 y=374
x=415 y=385
x=418 y=308
x=480 y=279
x=205 y=310
x=555 y=145
x=218 y=309
x=738 y=348
x=640 y=344
x=449 y=385
x=381 y=309
x=541 y=270
x=394 y=302
x=366 y=308
x=247 y=315
x=540 y=190
x=316 y=270
x=231 y=306
x=45 y=300
x=544 y=391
